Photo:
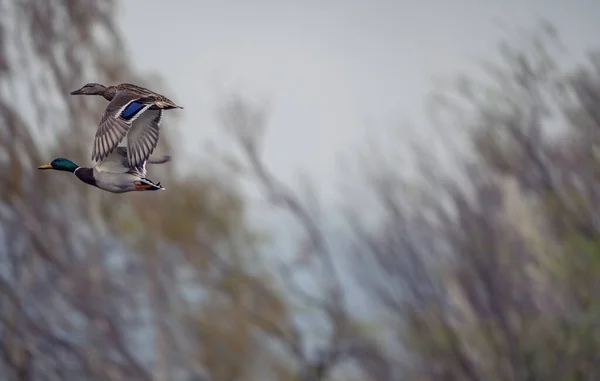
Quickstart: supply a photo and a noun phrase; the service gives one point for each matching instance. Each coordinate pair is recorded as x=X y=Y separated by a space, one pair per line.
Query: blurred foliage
x=490 y=274
x=139 y=286
x=521 y=258
x=83 y=268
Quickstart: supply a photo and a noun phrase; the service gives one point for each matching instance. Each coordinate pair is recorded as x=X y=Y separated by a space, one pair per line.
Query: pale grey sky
x=328 y=68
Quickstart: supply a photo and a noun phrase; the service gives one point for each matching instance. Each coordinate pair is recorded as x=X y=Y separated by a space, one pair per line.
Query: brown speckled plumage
x=133 y=111
x=108 y=92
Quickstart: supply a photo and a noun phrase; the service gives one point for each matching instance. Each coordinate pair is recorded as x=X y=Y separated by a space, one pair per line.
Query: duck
x=109 y=92
x=113 y=173
x=133 y=111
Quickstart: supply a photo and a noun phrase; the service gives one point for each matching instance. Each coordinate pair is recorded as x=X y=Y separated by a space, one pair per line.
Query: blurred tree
x=490 y=278
x=253 y=314
x=90 y=285
x=495 y=278
x=143 y=286
x=56 y=320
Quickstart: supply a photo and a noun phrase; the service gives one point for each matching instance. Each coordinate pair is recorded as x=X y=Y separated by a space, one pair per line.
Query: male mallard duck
x=133 y=111
x=112 y=174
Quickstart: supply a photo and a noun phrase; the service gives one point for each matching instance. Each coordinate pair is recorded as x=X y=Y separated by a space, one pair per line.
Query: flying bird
x=113 y=173
x=133 y=111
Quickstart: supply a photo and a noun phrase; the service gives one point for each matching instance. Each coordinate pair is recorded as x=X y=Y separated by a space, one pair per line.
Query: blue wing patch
x=132 y=110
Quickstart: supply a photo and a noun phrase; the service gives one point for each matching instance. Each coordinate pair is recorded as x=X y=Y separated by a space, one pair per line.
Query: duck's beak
x=76 y=92
x=45 y=166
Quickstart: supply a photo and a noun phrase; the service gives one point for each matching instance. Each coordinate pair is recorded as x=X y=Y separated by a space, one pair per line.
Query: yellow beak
x=45 y=166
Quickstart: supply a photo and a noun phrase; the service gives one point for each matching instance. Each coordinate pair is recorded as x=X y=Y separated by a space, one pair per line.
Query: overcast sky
x=329 y=69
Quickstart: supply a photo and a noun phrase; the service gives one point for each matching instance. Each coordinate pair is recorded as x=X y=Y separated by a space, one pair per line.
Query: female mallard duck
x=159 y=101
x=112 y=174
x=133 y=111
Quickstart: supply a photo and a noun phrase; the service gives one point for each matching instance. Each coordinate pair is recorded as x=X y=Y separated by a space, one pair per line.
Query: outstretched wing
x=142 y=137
x=120 y=114
x=115 y=162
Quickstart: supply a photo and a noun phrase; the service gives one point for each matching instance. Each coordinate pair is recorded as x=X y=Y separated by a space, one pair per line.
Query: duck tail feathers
x=159 y=159
x=147 y=184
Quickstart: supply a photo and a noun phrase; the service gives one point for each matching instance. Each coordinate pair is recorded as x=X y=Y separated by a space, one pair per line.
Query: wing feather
x=120 y=114
x=143 y=137
x=114 y=162
x=118 y=162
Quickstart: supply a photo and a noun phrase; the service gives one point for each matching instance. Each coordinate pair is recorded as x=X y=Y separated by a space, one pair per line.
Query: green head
x=60 y=164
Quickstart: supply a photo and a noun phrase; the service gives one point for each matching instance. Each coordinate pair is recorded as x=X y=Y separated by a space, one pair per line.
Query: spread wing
x=142 y=137
x=119 y=116
x=116 y=162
